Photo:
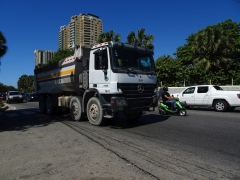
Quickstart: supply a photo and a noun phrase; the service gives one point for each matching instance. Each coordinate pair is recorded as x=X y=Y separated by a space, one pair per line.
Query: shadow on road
x=237 y=110
x=25 y=121
x=120 y=122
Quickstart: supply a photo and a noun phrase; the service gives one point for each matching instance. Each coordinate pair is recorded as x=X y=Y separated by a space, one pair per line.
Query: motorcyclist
x=167 y=99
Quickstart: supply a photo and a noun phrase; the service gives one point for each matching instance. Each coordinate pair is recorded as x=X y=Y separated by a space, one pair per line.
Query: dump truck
x=99 y=82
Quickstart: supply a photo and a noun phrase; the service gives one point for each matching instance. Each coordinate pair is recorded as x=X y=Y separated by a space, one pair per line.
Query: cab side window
x=202 y=89
x=101 y=63
x=189 y=90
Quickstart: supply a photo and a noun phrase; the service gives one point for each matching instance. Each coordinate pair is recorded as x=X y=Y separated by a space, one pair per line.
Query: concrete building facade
x=42 y=57
x=82 y=30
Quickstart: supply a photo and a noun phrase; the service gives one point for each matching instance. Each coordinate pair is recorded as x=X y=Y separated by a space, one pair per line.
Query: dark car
x=25 y=98
x=3 y=95
x=32 y=97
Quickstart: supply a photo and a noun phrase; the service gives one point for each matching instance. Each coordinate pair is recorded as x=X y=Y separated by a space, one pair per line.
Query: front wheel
x=182 y=112
x=220 y=106
x=95 y=112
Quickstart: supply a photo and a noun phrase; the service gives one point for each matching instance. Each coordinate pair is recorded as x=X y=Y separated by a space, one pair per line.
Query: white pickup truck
x=210 y=96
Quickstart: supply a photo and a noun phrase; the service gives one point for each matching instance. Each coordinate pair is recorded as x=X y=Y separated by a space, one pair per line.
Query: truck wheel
x=95 y=112
x=42 y=104
x=220 y=105
x=49 y=106
x=133 y=116
x=76 y=108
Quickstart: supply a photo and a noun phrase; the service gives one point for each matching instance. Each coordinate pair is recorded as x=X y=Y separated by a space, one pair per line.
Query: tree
x=4 y=88
x=3 y=47
x=170 y=72
x=26 y=83
x=141 y=39
x=109 y=36
x=212 y=48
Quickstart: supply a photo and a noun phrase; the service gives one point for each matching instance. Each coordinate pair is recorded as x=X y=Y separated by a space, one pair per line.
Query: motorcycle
x=164 y=109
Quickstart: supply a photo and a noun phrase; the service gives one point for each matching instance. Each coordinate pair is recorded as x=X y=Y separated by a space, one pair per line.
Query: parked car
x=3 y=95
x=32 y=97
x=210 y=96
x=14 y=96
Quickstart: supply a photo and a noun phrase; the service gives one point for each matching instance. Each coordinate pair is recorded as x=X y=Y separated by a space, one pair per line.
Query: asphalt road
x=203 y=145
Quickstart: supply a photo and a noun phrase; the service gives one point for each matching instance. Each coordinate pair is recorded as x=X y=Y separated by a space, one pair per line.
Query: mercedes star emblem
x=140 y=88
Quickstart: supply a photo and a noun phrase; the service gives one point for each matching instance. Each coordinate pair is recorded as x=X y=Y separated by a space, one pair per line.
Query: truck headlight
x=121 y=102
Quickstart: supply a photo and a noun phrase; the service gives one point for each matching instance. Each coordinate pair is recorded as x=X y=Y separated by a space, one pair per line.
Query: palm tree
x=216 y=46
x=109 y=36
x=3 y=47
x=141 y=39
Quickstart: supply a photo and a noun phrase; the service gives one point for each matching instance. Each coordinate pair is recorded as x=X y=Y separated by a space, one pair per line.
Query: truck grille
x=137 y=90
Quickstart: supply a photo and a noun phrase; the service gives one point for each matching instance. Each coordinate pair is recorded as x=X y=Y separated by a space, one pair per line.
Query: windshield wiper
x=151 y=73
x=131 y=71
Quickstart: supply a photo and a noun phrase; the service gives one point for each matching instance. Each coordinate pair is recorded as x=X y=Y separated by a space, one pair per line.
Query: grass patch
x=1 y=103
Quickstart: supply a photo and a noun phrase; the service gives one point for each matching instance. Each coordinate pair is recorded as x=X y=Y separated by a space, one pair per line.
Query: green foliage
x=141 y=39
x=1 y=103
x=59 y=55
x=212 y=48
x=3 y=47
x=26 y=83
x=109 y=36
x=4 y=88
x=169 y=71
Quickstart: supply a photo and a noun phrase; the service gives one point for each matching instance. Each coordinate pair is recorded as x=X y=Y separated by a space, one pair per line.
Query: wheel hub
x=93 y=111
x=75 y=109
x=220 y=106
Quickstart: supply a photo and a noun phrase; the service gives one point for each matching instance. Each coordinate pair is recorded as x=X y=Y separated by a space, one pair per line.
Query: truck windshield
x=135 y=61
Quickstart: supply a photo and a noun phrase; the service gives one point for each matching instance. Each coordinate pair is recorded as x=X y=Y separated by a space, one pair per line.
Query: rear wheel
x=161 y=111
x=95 y=112
x=220 y=105
x=182 y=112
x=49 y=106
x=76 y=108
x=42 y=104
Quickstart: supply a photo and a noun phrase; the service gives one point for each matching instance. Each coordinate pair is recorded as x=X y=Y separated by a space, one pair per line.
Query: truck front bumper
x=132 y=104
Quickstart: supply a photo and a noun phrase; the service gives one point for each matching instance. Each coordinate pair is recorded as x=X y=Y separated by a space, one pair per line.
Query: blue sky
x=34 y=24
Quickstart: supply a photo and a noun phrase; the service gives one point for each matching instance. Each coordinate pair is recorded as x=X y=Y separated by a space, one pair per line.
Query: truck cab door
x=202 y=95
x=99 y=73
x=188 y=96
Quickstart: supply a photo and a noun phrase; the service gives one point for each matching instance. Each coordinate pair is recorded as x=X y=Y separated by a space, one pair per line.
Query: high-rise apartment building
x=63 y=37
x=42 y=57
x=82 y=30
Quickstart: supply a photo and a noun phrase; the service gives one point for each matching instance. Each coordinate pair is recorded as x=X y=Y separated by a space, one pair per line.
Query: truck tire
x=76 y=108
x=42 y=104
x=133 y=117
x=49 y=106
x=95 y=112
x=220 y=106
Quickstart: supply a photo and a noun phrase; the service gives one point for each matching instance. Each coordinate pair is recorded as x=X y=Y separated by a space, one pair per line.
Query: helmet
x=165 y=88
